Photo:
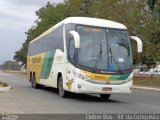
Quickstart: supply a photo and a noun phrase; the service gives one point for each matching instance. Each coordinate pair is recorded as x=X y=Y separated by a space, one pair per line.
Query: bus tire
x=105 y=96
x=62 y=92
x=33 y=82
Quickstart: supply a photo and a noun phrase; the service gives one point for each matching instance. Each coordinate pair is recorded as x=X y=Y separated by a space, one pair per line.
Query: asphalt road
x=24 y=99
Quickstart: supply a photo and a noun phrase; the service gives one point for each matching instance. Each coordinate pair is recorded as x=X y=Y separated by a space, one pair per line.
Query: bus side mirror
x=139 y=43
x=76 y=38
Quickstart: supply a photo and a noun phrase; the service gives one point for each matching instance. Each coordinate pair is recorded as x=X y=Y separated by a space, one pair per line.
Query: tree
x=151 y=4
x=10 y=65
x=79 y=7
x=21 y=55
x=47 y=17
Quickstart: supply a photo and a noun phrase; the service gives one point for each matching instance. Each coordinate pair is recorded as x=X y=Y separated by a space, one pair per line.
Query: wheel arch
x=60 y=73
x=30 y=76
x=58 y=76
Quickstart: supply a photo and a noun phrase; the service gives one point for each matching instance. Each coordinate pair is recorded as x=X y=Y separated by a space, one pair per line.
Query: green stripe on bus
x=119 y=77
x=47 y=64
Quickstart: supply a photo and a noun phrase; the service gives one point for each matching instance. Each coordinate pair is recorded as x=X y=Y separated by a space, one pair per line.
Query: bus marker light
x=107 y=89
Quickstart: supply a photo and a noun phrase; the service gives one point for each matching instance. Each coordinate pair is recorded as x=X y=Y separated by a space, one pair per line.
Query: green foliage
x=151 y=4
x=142 y=18
x=47 y=17
x=79 y=7
x=10 y=65
x=21 y=55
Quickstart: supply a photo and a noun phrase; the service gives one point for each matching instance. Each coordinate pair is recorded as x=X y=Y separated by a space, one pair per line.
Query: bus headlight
x=83 y=77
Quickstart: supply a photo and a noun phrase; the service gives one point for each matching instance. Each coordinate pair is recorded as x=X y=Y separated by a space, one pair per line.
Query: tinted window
x=72 y=51
x=53 y=40
x=93 y=50
x=69 y=27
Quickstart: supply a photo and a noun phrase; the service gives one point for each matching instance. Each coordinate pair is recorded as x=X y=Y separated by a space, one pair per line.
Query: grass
x=147 y=81
x=3 y=84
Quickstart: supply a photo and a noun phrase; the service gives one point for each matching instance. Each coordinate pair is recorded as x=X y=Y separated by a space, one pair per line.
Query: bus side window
x=71 y=51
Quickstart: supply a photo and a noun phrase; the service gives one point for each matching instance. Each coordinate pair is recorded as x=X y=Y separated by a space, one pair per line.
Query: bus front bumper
x=82 y=86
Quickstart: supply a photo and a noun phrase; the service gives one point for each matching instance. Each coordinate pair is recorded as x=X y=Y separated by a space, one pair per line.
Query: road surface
x=24 y=99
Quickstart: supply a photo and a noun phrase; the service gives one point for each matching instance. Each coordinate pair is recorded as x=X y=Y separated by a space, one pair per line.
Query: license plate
x=107 y=89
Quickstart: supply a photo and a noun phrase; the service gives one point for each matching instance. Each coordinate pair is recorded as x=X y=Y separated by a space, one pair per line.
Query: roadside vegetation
x=3 y=84
x=147 y=81
x=10 y=66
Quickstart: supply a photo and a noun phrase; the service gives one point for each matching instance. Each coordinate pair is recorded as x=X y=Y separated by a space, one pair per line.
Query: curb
x=146 y=88
x=2 y=89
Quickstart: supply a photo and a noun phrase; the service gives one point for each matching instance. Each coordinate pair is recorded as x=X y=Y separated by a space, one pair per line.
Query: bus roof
x=85 y=21
x=94 y=22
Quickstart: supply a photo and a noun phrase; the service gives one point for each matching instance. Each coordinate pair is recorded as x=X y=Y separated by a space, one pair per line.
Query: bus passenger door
x=70 y=66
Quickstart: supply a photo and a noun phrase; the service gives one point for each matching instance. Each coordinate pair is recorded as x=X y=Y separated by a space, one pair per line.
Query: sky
x=16 y=17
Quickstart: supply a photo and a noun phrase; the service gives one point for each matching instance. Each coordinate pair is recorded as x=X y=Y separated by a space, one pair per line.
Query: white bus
x=83 y=55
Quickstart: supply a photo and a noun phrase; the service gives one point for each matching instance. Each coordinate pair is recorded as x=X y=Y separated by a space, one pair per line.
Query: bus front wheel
x=62 y=92
x=105 y=96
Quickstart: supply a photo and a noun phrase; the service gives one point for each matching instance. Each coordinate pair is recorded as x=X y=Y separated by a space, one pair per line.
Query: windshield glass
x=92 y=41
x=119 y=50
x=104 y=49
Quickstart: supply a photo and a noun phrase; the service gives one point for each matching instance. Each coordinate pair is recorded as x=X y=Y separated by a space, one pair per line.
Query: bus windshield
x=104 y=49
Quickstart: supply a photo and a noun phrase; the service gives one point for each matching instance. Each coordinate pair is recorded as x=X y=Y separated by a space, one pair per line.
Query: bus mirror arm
x=76 y=38
x=139 y=43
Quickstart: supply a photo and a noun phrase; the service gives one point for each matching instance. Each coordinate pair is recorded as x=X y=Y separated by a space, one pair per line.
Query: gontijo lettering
x=36 y=60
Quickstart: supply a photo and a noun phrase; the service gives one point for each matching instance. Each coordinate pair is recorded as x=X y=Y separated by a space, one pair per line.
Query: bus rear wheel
x=105 y=96
x=62 y=92
x=33 y=82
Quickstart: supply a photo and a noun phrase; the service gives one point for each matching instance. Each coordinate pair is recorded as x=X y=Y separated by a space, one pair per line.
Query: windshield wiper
x=115 y=60
x=98 y=56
